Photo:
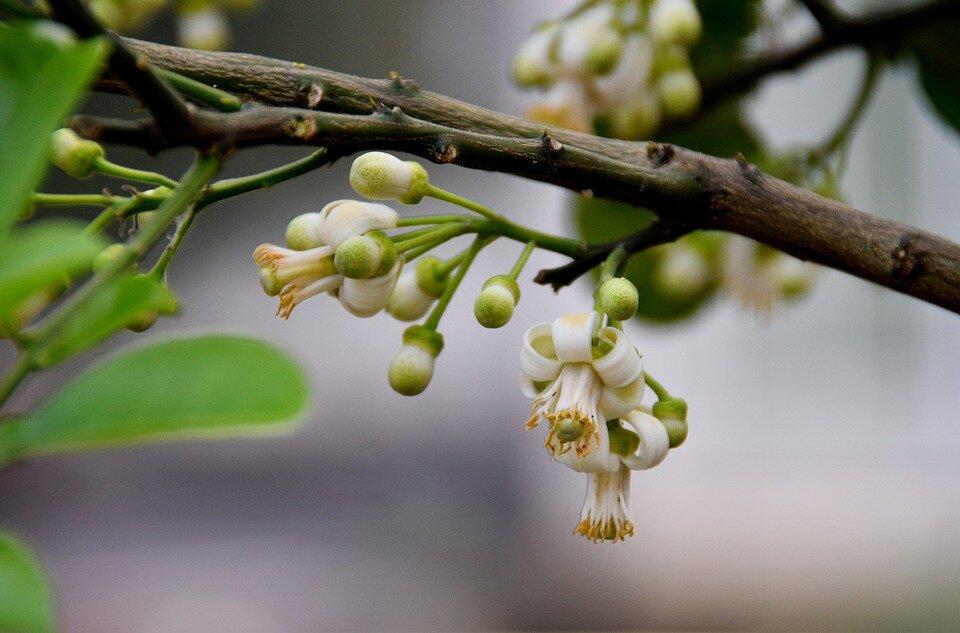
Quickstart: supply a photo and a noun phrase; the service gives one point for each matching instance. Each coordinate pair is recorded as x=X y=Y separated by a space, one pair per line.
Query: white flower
x=684 y=271
x=532 y=65
x=630 y=77
x=298 y=275
x=567 y=105
x=409 y=302
x=205 y=29
x=583 y=35
x=757 y=274
x=381 y=176
x=577 y=385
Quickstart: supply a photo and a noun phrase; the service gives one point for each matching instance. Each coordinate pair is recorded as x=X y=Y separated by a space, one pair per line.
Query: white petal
x=533 y=363
x=527 y=386
x=572 y=335
x=598 y=460
x=345 y=218
x=621 y=365
x=579 y=34
x=654 y=441
x=367 y=297
x=631 y=75
x=408 y=302
x=616 y=403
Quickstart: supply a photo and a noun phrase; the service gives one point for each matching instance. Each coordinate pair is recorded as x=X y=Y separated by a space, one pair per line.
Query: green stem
x=104 y=166
x=419 y=220
x=103 y=219
x=159 y=269
x=409 y=235
x=448 y=196
x=201 y=92
x=522 y=260
x=14 y=376
x=613 y=264
x=434 y=319
x=660 y=390
x=71 y=200
x=230 y=187
x=849 y=122
x=433 y=237
x=447 y=267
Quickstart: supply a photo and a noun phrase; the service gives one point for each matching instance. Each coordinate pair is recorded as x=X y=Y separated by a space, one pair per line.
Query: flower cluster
x=587 y=383
x=202 y=24
x=620 y=66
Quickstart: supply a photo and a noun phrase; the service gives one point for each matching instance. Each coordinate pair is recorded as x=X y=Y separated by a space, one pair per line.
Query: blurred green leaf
x=604 y=220
x=720 y=132
x=25 y=605
x=42 y=255
x=42 y=75
x=112 y=307
x=207 y=386
x=938 y=67
x=726 y=25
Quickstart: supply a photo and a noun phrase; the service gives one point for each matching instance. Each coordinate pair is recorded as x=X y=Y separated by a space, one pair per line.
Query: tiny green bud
x=203 y=28
x=638 y=119
x=428 y=279
x=683 y=272
x=382 y=176
x=673 y=414
x=569 y=429
x=604 y=51
x=496 y=302
x=411 y=368
x=107 y=256
x=143 y=320
x=145 y=217
x=619 y=298
x=303 y=232
x=532 y=65
x=74 y=155
x=365 y=256
x=679 y=93
x=675 y=21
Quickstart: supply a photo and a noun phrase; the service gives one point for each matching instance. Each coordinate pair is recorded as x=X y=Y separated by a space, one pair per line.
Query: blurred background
x=819 y=488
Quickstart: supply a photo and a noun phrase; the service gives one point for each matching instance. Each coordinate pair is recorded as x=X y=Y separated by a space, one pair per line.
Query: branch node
x=312 y=95
x=550 y=145
x=447 y=153
x=751 y=172
x=660 y=153
x=399 y=84
x=906 y=263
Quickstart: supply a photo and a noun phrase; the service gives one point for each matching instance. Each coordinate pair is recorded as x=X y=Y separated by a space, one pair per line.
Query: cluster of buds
x=623 y=67
x=587 y=384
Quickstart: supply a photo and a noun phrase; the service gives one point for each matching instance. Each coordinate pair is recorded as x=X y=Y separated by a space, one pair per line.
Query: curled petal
x=572 y=336
x=367 y=297
x=537 y=358
x=346 y=218
x=654 y=441
x=621 y=365
x=616 y=403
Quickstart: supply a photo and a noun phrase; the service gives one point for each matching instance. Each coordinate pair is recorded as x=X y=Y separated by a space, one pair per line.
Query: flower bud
x=143 y=320
x=532 y=65
x=638 y=119
x=675 y=22
x=382 y=176
x=412 y=366
x=619 y=298
x=792 y=277
x=496 y=302
x=365 y=256
x=205 y=29
x=107 y=256
x=672 y=413
x=429 y=278
x=303 y=232
x=604 y=51
x=683 y=271
x=408 y=302
x=679 y=93
x=74 y=155
x=144 y=218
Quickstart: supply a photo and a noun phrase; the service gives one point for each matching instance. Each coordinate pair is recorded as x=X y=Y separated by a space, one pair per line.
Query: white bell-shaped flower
x=342 y=219
x=579 y=376
x=367 y=297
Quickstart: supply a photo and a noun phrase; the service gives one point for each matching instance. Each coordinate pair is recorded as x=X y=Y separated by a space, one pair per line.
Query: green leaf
x=112 y=307
x=209 y=386
x=938 y=69
x=25 y=605
x=605 y=220
x=42 y=255
x=726 y=25
x=42 y=75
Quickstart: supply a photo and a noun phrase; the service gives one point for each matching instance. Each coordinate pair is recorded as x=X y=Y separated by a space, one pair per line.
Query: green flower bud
x=412 y=366
x=618 y=298
x=364 y=256
x=381 y=176
x=303 y=232
x=143 y=320
x=675 y=21
x=74 y=155
x=638 y=119
x=679 y=93
x=496 y=302
x=683 y=271
x=428 y=279
x=673 y=414
x=107 y=256
x=623 y=441
x=604 y=51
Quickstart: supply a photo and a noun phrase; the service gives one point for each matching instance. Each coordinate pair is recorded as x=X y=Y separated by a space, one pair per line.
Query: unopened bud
x=143 y=321
x=672 y=413
x=303 y=232
x=675 y=22
x=619 y=298
x=74 y=155
x=428 y=277
x=679 y=93
x=604 y=52
x=382 y=176
x=638 y=119
x=496 y=302
x=532 y=65
x=408 y=302
x=683 y=271
x=792 y=277
x=205 y=29
x=365 y=256
x=411 y=368
x=107 y=256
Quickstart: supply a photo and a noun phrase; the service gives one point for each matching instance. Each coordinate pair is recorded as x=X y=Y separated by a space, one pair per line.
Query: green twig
x=434 y=319
x=71 y=200
x=658 y=389
x=104 y=166
x=201 y=92
x=230 y=187
x=159 y=270
x=522 y=260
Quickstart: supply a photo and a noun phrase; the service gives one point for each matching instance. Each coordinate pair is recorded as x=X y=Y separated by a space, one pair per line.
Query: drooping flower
x=296 y=275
